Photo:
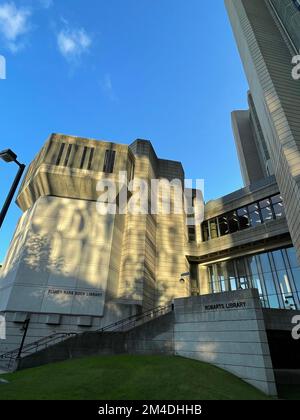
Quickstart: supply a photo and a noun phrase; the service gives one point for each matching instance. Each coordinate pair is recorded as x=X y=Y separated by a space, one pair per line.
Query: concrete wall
x=87 y=344
x=233 y=339
x=248 y=153
x=61 y=260
x=155 y=337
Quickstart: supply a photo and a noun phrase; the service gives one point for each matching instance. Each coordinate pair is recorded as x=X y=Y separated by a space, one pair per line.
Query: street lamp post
x=9 y=156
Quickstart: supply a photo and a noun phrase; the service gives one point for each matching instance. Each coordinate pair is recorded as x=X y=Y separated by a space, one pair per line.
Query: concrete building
x=72 y=268
x=267 y=34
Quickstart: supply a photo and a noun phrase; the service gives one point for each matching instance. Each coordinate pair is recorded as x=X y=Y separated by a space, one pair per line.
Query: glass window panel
x=265 y=263
x=292 y=255
x=240 y=265
x=264 y=302
x=276 y=199
x=269 y=283
x=278 y=260
x=223 y=284
x=278 y=210
x=267 y=214
x=233 y=285
x=273 y=302
x=231 y=276
x=253 y=207
x=243 y=218
x=230 y=269
x=296 y=275
x=255 y=219
x=257 y=284
x=220 y=270
x=233 y=222
x=223 y=226
x=252 y=265
x=243 y=283
x=265 y=203
x=289 y=302
x=284 y=283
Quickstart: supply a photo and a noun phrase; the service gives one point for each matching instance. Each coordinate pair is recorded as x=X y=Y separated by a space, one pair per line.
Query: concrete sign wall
x=226 y=330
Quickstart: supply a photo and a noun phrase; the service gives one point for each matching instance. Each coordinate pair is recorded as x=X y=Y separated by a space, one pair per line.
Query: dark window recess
x=192 y=233
x=109 y=161
x=83 y=157
x=91 y=159
x=233 y=223
x=223 y=225
x=243 y=218
x=68 y=155
x=60 y=153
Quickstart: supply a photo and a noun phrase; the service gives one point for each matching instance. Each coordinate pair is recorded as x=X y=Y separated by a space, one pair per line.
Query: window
x=223 y=226
x=233 y=223
x=83 y=157
x=109 y=161
x=243 y=218
x=267 y=272
x=264 y=263
x=278 y=206
x=60 y=153
x=254 y=214
x=292 y=256
x=266 y=210
x=230 y=274
x=91 y=159
x=192 y=233
x=297 y=4
x=278 y=260
x=68 y=155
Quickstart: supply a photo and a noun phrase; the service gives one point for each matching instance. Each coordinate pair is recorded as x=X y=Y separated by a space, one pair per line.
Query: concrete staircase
x=111 y=339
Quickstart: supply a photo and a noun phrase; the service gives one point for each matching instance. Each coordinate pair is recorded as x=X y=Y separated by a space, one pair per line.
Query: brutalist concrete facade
x=71 y=268
x=267 y=53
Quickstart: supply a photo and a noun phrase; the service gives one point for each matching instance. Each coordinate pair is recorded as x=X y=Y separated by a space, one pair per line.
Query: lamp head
x=8 y=156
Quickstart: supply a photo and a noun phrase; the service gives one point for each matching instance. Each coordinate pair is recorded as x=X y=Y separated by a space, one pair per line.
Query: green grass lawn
x=126 y=377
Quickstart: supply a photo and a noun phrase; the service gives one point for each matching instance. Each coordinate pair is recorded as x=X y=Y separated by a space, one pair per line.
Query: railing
x=123 y=325
x=34 y=347
x=136 y=320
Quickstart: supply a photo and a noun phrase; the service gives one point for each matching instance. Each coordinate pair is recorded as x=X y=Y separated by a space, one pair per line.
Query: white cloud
x=108 y=89
x=14 y=23
x=72 y=43
x=46 y=3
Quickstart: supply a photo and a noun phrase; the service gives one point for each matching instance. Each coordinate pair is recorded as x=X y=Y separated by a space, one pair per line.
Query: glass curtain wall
x=276 y=275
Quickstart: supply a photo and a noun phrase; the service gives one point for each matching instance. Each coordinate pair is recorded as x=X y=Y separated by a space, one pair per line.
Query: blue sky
x=163 y=70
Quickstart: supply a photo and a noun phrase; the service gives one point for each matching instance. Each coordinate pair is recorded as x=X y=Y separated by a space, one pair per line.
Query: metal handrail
x=133 y=319
x=123 y=324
